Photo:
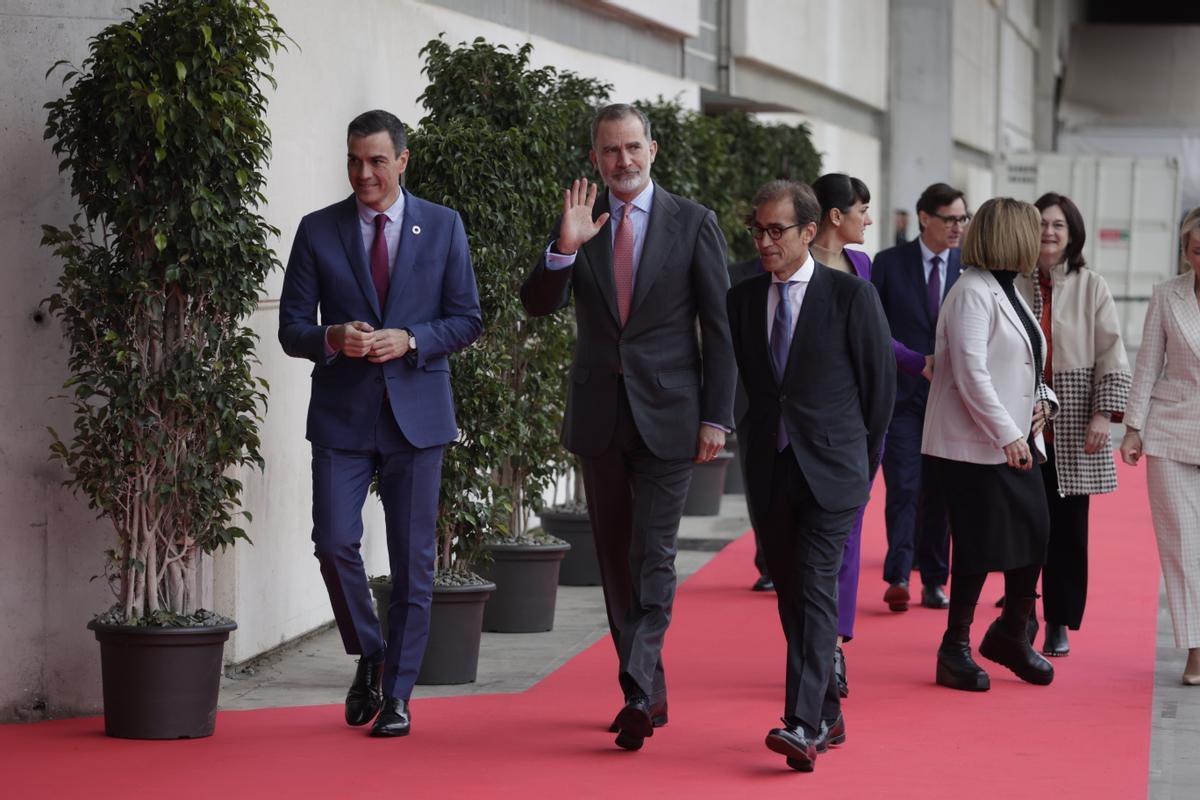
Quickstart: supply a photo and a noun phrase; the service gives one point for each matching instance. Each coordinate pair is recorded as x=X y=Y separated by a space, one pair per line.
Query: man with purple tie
x=815 y=358
x=390 y=275
x=912 y=280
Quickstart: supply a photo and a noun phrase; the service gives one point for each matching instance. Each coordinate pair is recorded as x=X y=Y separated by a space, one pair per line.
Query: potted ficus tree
x=161 y=132
x=497 y=143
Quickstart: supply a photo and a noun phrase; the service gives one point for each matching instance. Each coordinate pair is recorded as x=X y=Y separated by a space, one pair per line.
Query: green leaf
x=160 y=241
x=180 y=70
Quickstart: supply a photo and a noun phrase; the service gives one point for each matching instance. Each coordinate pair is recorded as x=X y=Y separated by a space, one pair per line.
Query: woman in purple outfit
x=844 y=219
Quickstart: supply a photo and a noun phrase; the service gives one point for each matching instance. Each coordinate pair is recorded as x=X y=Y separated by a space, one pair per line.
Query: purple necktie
x=379 y=261
x=780 y=343
x=933 y=288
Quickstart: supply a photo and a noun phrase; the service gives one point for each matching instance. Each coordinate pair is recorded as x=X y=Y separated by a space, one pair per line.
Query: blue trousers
x=915 y=509
x=408 y=486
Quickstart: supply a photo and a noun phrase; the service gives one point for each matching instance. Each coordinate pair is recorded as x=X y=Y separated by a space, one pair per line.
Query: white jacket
x=984 y=379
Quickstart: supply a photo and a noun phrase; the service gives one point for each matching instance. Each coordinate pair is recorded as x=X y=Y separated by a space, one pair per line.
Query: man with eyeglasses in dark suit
x=912 y=279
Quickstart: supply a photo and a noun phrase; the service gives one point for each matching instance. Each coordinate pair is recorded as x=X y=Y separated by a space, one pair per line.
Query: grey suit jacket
x=675 y=379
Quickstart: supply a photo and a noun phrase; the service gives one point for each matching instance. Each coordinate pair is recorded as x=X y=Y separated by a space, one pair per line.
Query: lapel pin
x=416 y=229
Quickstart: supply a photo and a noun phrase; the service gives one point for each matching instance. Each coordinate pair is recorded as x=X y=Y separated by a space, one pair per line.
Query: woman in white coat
x=1162 y=422
x=987 y=406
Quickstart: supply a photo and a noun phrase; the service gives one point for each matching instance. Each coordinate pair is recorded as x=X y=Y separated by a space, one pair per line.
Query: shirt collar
x=927 y=254
x=802 y=275
x=642 y=202
x=395 y=212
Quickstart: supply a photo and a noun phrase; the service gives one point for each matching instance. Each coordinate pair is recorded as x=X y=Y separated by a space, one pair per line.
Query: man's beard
x=626 y=181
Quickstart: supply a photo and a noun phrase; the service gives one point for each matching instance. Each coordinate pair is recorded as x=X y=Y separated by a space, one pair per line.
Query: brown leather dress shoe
x=897 y=596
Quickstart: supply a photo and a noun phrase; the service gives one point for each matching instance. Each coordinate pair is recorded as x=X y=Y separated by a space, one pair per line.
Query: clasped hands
x=1017 y=453
x=357 y=339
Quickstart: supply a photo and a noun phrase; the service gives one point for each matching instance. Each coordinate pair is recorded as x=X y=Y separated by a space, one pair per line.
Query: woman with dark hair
x=844 y=219
x=987 y=406
x=1088 y=370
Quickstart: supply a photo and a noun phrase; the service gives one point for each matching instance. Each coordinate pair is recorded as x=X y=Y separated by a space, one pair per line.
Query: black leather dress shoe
x=793 y=743
x=1007 y=642
x=393 y=720
x=658 y=718
x=635 y=722
x=365 y=696
x=839 y=672
x=1056 y=643
x=897 y=596
x=763 y=584
x=831 y=734
x=934 y=597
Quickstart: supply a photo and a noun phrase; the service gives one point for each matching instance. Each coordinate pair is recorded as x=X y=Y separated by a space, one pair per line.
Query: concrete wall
x=50 y=544
x=828 y=63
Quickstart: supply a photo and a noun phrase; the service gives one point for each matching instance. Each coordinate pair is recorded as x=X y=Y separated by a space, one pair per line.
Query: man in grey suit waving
x=648 y=398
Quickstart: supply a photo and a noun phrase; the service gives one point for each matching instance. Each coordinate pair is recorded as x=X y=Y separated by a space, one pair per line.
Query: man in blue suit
x=391 y=276
x=912 y=279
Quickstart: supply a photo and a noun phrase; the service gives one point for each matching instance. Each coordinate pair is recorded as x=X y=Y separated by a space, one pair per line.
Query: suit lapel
x=412 y=228
x=352 y=242
x=660 y=235
x=1007 y=309
x=1187 y=311
x=599 y=257
x=760 y=326
x=916 y=267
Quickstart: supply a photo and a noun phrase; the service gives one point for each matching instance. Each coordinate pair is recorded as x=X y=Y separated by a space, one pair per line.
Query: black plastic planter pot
x=526 y=578
x=160 y=683
x=708 y=484
x=452 y=655
x=580 y=566
x=734 y=483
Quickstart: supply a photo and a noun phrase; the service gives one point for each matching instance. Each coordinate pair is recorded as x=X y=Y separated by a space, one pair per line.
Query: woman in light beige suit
x=983 y=422
x=1162 y=421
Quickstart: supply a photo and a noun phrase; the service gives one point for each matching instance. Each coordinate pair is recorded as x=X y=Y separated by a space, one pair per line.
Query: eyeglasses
x=950 y=219
x=774 y=231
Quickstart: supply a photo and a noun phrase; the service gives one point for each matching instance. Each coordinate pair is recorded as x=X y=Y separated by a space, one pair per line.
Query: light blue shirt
x=391 y=231
x=616 y=208
x=927 y=261
x=797 y=288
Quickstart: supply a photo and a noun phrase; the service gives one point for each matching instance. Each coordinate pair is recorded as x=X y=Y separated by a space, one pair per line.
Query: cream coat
x=1164 y=403
x=984 y=378
x=1091 y=372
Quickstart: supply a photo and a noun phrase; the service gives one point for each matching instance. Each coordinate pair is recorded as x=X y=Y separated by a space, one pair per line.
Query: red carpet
x=1086 y=736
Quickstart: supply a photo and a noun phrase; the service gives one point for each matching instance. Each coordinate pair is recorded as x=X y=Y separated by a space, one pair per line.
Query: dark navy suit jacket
x=432 y=293
x=899 y=275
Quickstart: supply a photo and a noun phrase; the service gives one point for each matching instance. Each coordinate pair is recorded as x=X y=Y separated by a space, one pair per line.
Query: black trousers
x=1065 y=576
x=914 y=507
x=803 y=544
x=635 y=501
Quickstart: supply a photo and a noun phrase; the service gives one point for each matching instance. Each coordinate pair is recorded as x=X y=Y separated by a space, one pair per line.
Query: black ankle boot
x=1007 y=642
x=955 y=667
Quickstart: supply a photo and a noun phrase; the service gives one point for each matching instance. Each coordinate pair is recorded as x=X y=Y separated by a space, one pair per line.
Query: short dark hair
x=839 y=190
x=369 y=123
x=1076 y=235
x=616 y=111
x=935 y=196
x=804 y=202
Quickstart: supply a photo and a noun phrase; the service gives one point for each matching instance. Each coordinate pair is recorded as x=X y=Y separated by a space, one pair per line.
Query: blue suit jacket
x=432 y=293
x=899 y=275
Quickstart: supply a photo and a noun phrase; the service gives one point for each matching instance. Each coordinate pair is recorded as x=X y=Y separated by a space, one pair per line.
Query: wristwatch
x=1107 y=414
x=412 y=340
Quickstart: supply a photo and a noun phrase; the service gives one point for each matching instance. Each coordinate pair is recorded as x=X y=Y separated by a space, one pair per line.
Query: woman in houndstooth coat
x=1162 y=421
x=1088 y=370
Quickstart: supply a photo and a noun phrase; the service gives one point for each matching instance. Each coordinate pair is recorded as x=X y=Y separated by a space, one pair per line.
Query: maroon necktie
x=933 y=288
x=379 y=261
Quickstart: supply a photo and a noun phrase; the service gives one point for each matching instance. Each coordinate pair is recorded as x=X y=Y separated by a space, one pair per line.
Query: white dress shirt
x=798 y=285
x=927 y=261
